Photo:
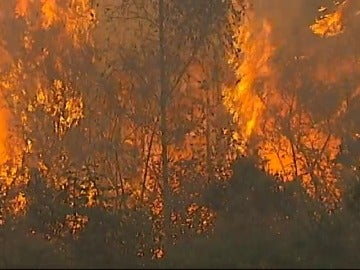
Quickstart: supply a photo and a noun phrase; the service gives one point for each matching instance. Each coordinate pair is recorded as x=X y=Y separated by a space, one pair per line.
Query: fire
x=295 y=138
x=331 y=24
x=243 y=101
x=4 y=116
x=49 y=13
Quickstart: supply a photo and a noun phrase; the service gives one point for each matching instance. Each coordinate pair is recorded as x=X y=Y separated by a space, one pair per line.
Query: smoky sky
x=290 y=22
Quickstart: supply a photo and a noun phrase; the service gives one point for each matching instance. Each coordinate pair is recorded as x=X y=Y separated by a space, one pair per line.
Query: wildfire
x=268 y=101
x=244 y=101
x=3 y=133
x=331 y=24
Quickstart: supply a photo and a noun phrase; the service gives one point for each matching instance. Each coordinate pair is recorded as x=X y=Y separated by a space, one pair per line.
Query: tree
x=189 y=27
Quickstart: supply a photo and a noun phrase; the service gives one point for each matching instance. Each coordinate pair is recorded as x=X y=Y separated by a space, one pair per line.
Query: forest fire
x=331 y=24
x=146 y=133
x=272 y=108
x=244 y=101
x=4 y=117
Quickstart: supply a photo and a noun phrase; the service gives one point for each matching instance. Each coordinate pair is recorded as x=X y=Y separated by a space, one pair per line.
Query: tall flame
x=244 y=101
x=270 y=100
x=4 y=118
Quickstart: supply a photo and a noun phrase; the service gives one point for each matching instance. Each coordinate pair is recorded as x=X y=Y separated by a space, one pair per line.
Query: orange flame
x=291 y=145
x=4 y=118
x=243 y=101
x=331 y=24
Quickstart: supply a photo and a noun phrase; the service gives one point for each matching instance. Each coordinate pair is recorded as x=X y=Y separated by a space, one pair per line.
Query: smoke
x=291 y=21
x=316 y=42
x=300 y=65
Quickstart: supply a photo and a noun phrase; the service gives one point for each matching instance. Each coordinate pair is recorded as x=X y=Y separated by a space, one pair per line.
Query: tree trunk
x=163 y=125
x=209 y=166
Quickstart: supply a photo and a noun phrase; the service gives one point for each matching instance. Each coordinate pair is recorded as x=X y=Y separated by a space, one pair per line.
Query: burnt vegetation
x=179 y=134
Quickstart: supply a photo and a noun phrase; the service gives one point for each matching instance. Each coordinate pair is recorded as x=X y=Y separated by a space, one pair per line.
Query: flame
x=268 y=102
x=4 y=118
x=244 y=101
x=49 y=12
x=21 y=8
x=331 y=24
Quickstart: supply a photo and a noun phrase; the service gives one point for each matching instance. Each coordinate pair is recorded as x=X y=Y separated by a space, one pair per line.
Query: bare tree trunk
x=209 y=166
x=150 y=144
x=118 y=177
x=163 y=124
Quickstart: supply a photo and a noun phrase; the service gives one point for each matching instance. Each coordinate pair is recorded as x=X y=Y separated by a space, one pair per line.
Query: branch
x=190 y=60
x=148 y=160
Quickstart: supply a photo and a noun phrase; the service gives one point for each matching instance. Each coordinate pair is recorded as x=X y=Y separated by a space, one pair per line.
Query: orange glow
x=277 y=157
x=4 y=118
x=271 y=110
x=21 y=8
x=18 y=204
x=331 y=24
x=243 y=101
x=50 y=13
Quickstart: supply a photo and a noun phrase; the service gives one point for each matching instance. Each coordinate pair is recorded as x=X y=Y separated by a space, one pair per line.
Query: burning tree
x=275 y=103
